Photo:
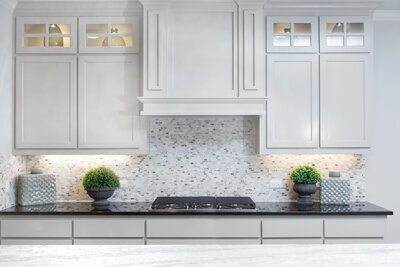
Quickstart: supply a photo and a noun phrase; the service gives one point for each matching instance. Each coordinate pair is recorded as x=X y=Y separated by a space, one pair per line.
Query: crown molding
x=78 y=8
x=9 y=4
x=386 y=15
x=321 y=7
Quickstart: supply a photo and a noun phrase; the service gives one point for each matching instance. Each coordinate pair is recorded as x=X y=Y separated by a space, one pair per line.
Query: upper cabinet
x=292 y=34
x=346 y=34
x=46 y=35
x=109 y=35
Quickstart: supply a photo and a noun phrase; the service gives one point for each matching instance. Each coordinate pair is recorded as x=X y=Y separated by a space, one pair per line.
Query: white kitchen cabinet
x=109 y=241
x=292 y=241
x=109 y=34
x=203 y=241
x=346 y=34
x=46 y=35
x=46 y=102
x=109 y=228
x=345 y=93
x=20 y=242
x=108 y=106
x=36 y=228
x=281 y=228
x=203 y=228
x=292 y=34
x=293 y=101
x=330 y=241
x=356 y=228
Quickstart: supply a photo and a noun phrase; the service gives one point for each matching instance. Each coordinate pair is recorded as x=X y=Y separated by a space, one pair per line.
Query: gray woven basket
x=36 y=189
x=335 y=191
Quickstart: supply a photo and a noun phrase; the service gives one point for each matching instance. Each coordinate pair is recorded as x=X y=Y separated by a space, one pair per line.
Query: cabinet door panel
x=290 y=241
x=40 y=228
x=361 y=228
x=204 y=54
x=46 y=102
x=310 y=228
x=108 y=105
x=292 y=90
x=354 y=241
x=113 y=241
x=203 y=241
x=345 y=95
x=108 y=228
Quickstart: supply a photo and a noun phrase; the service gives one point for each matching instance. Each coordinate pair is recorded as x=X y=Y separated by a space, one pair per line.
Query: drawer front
x=109 y=228
x=288 y=241
x=36 y=228
x=203 y=228
x=36 y=242
x=355 y=228
x=203 y=241
x=98 y=241
x=354 y=241
x=289 y=228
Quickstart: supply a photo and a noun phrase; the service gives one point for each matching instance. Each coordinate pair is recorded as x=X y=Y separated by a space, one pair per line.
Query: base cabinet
x=190 y=230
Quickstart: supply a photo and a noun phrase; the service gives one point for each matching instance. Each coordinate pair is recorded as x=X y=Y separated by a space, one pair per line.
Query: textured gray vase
x=305 y=191
x=101 y=195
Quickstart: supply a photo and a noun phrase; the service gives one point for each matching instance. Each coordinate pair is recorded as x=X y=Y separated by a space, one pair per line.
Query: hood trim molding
x=203 y=106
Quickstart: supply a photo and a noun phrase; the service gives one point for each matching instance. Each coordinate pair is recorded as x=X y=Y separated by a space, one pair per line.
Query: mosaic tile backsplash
x=198 y=156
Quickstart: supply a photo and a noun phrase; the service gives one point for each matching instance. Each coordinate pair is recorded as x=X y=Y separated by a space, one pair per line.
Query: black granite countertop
x=144 y=208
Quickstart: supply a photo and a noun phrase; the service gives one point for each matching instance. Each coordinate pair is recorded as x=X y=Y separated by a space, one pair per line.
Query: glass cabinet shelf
x=46 y=35
x=292 y=34
x=109 y=35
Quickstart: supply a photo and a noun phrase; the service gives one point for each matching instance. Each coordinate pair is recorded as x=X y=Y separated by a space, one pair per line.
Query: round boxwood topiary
x=305 y=175
x=101 y=177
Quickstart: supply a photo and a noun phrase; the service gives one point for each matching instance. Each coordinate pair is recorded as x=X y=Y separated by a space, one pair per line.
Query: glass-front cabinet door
x=109 y=35
x=292 y=34
x=345 y=34
x=46 y=35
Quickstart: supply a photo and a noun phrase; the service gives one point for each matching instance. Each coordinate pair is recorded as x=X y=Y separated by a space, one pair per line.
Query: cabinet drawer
x=355 y=228
x=109 y=228
x=97 y=241
x=354 y=241
x=203 y=242
x=299 y=228
x=36 y=242
x=36 y=228
x=212 y=228
x=288 y=241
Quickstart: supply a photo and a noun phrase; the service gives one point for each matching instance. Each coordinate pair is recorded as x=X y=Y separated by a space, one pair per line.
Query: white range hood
x=202 y=106
x=203 y=58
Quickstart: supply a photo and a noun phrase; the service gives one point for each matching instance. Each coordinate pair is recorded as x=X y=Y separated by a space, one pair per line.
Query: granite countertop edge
x=144 y=209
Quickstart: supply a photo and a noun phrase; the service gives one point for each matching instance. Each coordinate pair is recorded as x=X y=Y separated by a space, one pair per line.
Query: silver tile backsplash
x=198 y=156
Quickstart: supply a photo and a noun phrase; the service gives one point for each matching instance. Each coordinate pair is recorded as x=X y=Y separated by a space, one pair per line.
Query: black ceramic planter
x=305 y=191
x=100 y=195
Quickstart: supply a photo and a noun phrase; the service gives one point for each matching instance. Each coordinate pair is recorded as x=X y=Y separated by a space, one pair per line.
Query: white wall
x=383 y=164
x=6 y=80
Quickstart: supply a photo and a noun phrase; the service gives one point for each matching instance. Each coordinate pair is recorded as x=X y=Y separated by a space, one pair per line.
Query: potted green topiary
x=100 y=184
x=305 y=179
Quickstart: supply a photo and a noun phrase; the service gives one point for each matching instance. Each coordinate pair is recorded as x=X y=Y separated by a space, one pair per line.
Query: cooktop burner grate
x=203 y=203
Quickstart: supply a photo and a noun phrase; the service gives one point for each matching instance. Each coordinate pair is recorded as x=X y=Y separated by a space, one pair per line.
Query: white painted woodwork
x=292 y=47
x=354 y=241
x=109 y=228
x=289 y=241
x=293 y=101
x=251 y=43
x=134 y=21
x=36 y=228
x=294 y=228
x=203 y=106
x=203 y=228
x=356 y=228
x=108 y=106
x=203 y=241
x=155 y=52
x=19 y=242
x=20 y=35
x=203 y=57
x=367 y=34
x=345 y=95
x=46 y=102
x=111 y=241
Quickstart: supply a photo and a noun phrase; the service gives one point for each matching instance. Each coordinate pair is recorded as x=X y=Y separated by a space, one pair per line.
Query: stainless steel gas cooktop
x=203 y=203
